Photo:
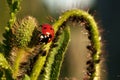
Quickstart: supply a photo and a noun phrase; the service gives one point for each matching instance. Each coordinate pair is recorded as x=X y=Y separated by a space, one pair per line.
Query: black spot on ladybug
x=44 y=27
x=51 y=28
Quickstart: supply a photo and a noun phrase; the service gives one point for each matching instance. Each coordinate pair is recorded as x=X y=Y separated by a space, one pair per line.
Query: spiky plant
x=23 y=57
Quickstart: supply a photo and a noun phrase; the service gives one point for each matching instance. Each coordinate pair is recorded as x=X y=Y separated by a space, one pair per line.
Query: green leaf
x=17 y=40
x=23 y=32
x=5 y=69
x=3 y=62
x=37 y=67
x=14 y=6
x=2 y=48
x=26 y=77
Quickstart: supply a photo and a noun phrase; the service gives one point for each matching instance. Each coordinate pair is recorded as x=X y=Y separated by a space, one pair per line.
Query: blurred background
x=106 y=12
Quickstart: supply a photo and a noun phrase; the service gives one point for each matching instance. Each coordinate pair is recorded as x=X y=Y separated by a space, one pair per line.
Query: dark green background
x=109 y=12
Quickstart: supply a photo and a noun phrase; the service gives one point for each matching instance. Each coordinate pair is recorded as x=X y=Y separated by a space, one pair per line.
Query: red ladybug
x=47 y=33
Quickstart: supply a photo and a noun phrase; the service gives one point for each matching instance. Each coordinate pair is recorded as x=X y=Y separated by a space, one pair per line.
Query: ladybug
x=47 y=33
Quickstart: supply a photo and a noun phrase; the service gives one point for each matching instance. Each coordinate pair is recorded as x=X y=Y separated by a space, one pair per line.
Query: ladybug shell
x=48 y=31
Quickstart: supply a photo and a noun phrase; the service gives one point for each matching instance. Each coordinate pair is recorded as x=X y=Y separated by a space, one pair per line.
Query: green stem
x=95 y=40
x=20 y=54
x=56 y=56
x=14 y=6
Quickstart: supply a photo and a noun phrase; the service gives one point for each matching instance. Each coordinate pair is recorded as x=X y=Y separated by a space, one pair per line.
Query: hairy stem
x=94 y=37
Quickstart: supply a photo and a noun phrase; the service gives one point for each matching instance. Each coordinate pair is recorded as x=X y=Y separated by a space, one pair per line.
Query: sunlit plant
x=24 y=57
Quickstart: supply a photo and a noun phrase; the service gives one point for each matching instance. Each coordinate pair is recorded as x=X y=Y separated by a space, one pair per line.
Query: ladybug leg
x=41 y=37
x=49 y=38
